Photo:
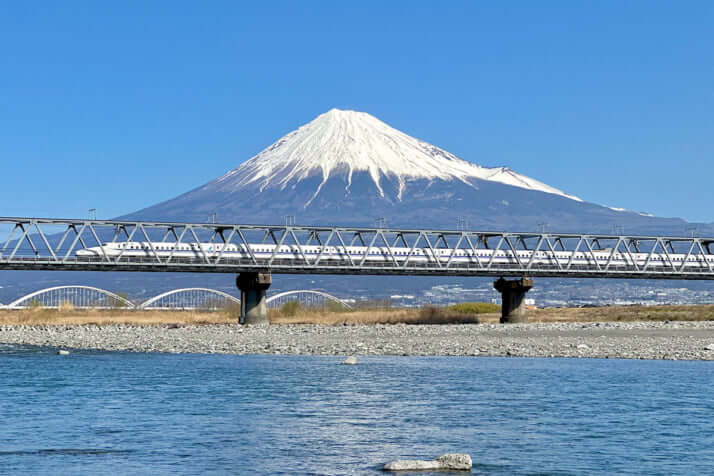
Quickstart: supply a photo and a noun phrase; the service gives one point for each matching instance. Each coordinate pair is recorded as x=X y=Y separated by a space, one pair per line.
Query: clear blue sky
x=119 y=105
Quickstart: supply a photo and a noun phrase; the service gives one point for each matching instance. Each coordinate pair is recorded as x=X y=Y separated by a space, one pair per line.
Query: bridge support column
x=252 y=297
x=513 y=299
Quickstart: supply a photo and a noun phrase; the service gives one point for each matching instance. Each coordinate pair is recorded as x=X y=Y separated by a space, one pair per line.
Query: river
x=94 y=412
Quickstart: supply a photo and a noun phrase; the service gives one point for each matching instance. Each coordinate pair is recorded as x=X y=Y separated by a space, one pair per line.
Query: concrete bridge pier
x=513 y=299
x=252 y=297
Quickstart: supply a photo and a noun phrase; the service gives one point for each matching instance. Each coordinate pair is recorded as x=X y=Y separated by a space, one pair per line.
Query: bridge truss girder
x=51 y=244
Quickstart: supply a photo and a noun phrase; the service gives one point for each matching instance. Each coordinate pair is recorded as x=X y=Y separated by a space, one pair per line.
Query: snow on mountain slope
x=345 y=142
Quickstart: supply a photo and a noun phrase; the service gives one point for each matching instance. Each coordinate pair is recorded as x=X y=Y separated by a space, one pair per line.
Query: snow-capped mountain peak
x=349 y=168
x=345 y=142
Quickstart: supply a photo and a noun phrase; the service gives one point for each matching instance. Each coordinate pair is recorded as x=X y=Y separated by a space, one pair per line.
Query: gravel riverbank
x=630 y=340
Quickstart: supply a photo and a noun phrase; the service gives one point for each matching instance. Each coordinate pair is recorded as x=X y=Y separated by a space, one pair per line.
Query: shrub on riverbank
x=290 y=308
x=444 y=315
x=475 y=308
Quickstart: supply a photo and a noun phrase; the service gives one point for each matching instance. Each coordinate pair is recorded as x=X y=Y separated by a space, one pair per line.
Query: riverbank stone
x=681 y=340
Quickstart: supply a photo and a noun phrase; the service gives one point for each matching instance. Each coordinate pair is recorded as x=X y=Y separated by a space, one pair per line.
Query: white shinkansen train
x=385 y=254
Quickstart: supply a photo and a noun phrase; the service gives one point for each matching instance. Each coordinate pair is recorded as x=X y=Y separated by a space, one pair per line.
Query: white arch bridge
x=75 y=296
x=190 y=298
x=89 y=297
x=309 y=298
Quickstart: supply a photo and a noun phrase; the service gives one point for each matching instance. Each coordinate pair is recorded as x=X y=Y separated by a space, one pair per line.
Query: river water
x=126 y=413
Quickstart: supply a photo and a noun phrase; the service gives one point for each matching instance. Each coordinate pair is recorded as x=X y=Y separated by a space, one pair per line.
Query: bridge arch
x=188 y=298
x=281 y=298
x=77 y=295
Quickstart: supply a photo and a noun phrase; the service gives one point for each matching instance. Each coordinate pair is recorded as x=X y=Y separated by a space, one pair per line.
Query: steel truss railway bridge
x=52 y=244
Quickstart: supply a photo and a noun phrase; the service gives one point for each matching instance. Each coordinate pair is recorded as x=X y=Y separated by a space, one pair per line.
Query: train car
x=395 y=255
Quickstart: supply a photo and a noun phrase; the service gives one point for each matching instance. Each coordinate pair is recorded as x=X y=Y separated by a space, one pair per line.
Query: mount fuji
x=349 y=168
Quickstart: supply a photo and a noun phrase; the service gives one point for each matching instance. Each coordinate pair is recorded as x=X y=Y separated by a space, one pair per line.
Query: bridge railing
x=38 y=243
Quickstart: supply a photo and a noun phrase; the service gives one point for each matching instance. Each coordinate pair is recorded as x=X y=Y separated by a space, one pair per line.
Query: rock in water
x=62 y=352
x=446 y=462
x=351 y=360
x=456 y=461
x=411 y=465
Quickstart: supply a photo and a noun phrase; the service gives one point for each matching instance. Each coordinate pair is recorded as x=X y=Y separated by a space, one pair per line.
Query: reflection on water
x=94 y=412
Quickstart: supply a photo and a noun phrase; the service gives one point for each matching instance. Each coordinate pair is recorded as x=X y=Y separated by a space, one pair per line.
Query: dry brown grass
x=366 y=316
x=69 y=317
x=426 y=315
x=624 y=313
x=377 y=313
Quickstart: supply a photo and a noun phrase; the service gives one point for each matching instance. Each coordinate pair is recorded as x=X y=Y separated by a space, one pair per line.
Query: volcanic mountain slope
x=349 y=168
